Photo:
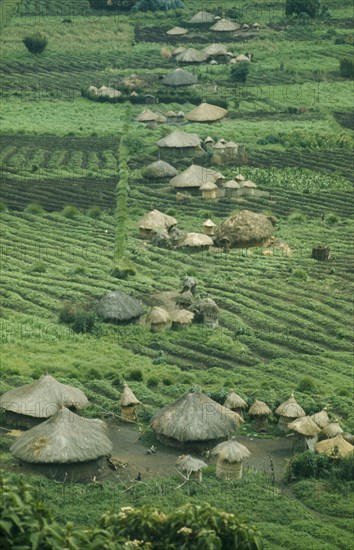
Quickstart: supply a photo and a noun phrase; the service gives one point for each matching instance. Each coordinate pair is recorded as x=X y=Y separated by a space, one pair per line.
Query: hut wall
x=129 y=413
x=238 y=411
x=22 y=420
x=71 y=472
x=189 y=446
x=226 y=470
x=283 y=423
x=260 y=423
x=196 y=476
x=299 y=444
x=209 y=194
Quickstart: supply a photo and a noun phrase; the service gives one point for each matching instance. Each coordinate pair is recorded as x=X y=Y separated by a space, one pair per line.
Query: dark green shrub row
x=311 y=465
x=80 y=317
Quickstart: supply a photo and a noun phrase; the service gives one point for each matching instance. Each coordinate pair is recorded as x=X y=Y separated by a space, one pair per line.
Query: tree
x=312 y=8
x=239 y=72
x=347 y=67
x=157 y=5
x=36 y=43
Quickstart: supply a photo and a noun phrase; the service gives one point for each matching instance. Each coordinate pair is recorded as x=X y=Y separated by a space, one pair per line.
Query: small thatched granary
x=230 y=456
x=153 y=221
x=194 y=419
x=159 y=319
x=177 y=31
x=66 y=446
x=180 y=143
x=105 y=91
x=289 y=411
x=197 y=241
x=242 y=58
x=209 y=190
x=256 y=26
x=128 y=403
x=239 y=177
x=225 y=26
x=193 y=177
x=209 y=142
x=321 y=418
x=336 y=447
x=259 y=412
x=206 y=311
x=159 y=170
x=33 y=403
x=178 y=50
x=185 y=299
x=232 y=188
x=305 y=434
x=202 y=17
x=245 y=229
x=332 y=429
x=179 y=77
x=190 y=468
x=181 y=318
x=147 y=116
x=248 y=187
x=191 y=55
x=215 y=50
x=206 y=113
x=235 y=403
x=119 y=307
x=209 y=227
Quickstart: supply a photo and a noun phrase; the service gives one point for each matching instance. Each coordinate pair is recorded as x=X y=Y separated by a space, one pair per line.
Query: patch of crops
x=345 y=119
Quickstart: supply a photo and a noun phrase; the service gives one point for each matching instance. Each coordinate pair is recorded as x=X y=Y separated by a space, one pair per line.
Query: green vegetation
x=36 y=43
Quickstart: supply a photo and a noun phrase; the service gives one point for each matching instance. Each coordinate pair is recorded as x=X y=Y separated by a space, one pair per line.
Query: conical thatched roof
x=178 y=50
x=245 y=229
x=219 y=145
x=128 y=398
x=179 y=77
x=304 y=426
x=156 y=220
x=161 y=119
x=231 y=145
x=177 y=31
x=187 y=464
x=337 y=447
x=42 y=398
x=158 y=316
x=215 y=50
x=117 y=306
x=147 y=116
x=242 y=58
x=321 y=418
x=197 y=240
x=159 y=170
x=179 y=140
x=208 y=186
x=259 y=408
x=290 y=409
x=231 y=184
x=332 y=429
x=206 y=113
x=239 y=177
x=194 y=176
x=202 y=17
x=224 y=25
x=231 y=451
x=108 y=92
x=234 y=401
x=248 y=184
x=195 y=417
x=182 y=317
x=64 y=438
x=191 y=55
x=209 y=139
x=209 y=223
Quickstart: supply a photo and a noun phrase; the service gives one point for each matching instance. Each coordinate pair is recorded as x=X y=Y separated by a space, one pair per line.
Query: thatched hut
x=289 y=411
x=206 y=311
x=197 y=241
x=235 y=403
x=240 y=178
x=66 y=446
x=191 y=55
x=209 y=142
x=245 y=229
x=231 y=150
x=201 y=18
x=218 y=52
x=194 y=177
x=153 y=221
x=209 y=228
x=321 y=418
x=232 y=188
x=332 y=429
x=305 y=433
x=256 y=26
x=245 y=27
x=181 y=318
x=177 y=31
x=190 y=468
x=206 y=113
x=119 y=307
x=225 y=27
x=259 y=413
x=33 y=403
x=248 y=187
x=105 y=91
x=178 y=50
x=185 y=299
x=147 y=116
x=336 y=447
x=209 y=190
x=230 y=456
x=180 y=143
x=128 y=403
x=194 y=420
x=159 y=170
x=242 y=58
x=159 y=319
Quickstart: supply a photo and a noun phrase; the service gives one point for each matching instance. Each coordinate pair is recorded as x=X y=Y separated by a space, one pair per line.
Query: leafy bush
x=79 y=316
x=70 y=212
x=296 y=217
x=157 y=5
x=347 y=67
x=123 y=270
x=3 y=207
x=136 y=375
x=299 y=7
x=331 y=219
x=308 y=465
x=38 y=267
x=95 y=212
x=239 y=72
x=34 y=208
x=36 y=43
x=152 y=382
x=306 y=385
x=299 y=275
x=167 y=381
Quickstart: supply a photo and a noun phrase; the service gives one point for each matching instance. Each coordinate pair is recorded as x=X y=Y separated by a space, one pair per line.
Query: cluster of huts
x=213 y=54
x=205 y=112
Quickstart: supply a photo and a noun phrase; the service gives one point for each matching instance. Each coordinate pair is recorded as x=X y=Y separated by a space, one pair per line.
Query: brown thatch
x=206 y=113
x=159 y=319
x=159 y=170
x=191 y=55
x=161 y=119
x=332 y=429
x=42 y=398
x=206 y=311
x=202 y=17
x=156 y=220
x=105 y=91
x=148 y=116
x=208 y=139
x=245 y=229
x=235 y=402
x=231 y=184
x=209 y=223
x=304 y=426
x=336 y=447
x=194 y=176
x=177 y=31
x=117 y=306
x=185 y=299
x=181 y=318
x=197 y=240
x=128 y=398
x=215 y=50
x=190 y=467
x=219 y=145
x=63 y=439
x=178 y=50
x=321 y=418
x=231 y=451
x=134 y=82
x=259 y=408
x=239 y=177
x=224 y=25
x=290 y=409
x=242 y=58
x=179 y=140
x=209 y=228
x=248 y=184
x=194 y=417
x=179 y=77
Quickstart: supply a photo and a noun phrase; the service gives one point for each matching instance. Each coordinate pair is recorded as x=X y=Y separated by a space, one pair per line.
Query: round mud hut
x=119 y=307
x=180 y=143
x=66 y=447
x=209 y=190
x=159 y=319
x=289 y=411
x=148 y=116
x=206 y=311
x=230 y=456
x=177 y=31
x=159 y=170
x=206 y=112
x=225 y=27
x=154 y=221
x=244 y=229
x=209 y=227
x=197 y=242
x=216 y=51
x=190 y=468
x=194 y=420
x=201 y=18
x=193 y=177
x=191 y=55
x=305 y=434
x=179 y=77
x=128 y=403
x=321 y=418
x=336 y=447
x=33 y=403
x=332 y=429
x=259 y=413
x=181 y=318
x=235 y=403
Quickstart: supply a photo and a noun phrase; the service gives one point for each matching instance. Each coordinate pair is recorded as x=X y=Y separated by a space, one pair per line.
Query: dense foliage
x=311 y=465
x=36 y=43
x=157 y=5
x=347 y=67
x=298 y=7
x=239 y=72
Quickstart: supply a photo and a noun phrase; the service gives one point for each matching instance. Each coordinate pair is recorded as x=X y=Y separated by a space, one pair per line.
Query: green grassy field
x=283 y=319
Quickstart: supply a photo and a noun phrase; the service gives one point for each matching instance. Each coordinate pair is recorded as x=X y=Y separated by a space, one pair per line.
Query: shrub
x=38 y=267
x=152 y=382
x=347 y=67
x=296 y=217
x=136 y=375
x=157 y=5
x=95 y=212
x=3 y=207
x=123 y=270
x=79 y=316
x=299 y=275
x=309 y=465
x=70 y=212
x=165 y=53
x=306 y=385
x=331 y=219
x=239 y=72
x=311 y=8
x=167 y=381
x=34 y=208
x=36 y=43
